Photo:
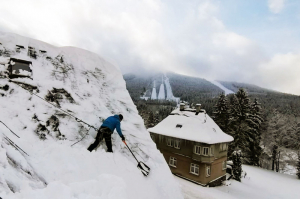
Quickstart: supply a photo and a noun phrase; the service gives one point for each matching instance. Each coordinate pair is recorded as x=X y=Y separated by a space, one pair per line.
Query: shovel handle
x=130 y=150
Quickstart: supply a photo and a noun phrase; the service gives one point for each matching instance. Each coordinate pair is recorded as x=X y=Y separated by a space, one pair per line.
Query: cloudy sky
x=250 y=41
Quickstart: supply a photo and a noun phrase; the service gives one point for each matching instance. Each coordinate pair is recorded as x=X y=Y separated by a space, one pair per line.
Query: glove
x=123 y=138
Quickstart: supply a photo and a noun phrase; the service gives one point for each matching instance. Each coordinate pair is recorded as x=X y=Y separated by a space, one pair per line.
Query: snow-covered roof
x=199 y=128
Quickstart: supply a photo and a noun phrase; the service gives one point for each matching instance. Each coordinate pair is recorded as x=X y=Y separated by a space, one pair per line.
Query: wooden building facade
x=198 y=157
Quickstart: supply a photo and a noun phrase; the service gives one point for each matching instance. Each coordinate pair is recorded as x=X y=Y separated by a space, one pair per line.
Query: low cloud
x=188 y=38
x=282 y=73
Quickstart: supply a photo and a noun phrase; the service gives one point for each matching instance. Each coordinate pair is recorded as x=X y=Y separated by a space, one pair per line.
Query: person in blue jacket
x=105 y=131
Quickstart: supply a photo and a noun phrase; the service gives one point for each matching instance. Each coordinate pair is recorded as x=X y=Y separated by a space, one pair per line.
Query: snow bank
x=91 y=89
x=258 y=183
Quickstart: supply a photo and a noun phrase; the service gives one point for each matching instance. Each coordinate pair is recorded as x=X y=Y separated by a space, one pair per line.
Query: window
x=207 y=171
x=223 y=147
x=194 y=169
x=170 y=142
x=212 y=151
x=177 y=144
x=173 y=162
x=224 y=165
x=197 y=149
x=205 y=151
x=161 y=138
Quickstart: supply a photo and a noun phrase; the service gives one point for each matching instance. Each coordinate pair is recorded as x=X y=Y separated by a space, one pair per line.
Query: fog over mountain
x=244 y=41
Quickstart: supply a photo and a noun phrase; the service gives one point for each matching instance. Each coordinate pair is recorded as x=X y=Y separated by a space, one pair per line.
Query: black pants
x=105 y=133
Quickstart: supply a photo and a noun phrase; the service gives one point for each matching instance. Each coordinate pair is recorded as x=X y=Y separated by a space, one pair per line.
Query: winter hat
x=121 y=117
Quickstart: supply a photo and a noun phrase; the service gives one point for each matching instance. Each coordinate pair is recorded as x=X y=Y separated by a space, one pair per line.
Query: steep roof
x=199 y=128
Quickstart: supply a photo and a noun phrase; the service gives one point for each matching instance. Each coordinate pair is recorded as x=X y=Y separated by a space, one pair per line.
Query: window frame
x=170 y=140
x=224 y=165
x=161 y=138
x=175 y=145
x=195 y=149
x=212 y=151
x=173 y=162
x=223 y=146
x=193 y=168
x=203 y=149
x=208 y=170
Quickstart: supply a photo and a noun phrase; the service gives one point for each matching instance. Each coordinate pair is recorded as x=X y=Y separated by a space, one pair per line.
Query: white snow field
x=54 y=169
x=218 y=84
x=258 y=183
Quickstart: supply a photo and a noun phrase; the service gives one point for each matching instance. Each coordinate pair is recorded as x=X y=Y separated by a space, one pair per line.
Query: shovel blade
x=144 y=168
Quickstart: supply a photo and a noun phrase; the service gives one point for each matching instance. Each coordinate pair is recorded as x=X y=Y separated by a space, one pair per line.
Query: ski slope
x=53 y=168
x=161 y=94
x=218 y=84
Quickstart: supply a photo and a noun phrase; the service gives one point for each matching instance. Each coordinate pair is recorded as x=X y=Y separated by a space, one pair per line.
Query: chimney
x=198 y=107
x=182 y=105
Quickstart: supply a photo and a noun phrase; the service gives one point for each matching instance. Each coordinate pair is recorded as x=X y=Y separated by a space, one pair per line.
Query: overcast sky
x=250 y=41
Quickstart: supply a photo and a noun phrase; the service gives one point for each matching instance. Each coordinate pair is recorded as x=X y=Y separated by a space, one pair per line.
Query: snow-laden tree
x=244 y=123
x=221 y=113
x=237 y=165
x=254 y=121
x=237 y=125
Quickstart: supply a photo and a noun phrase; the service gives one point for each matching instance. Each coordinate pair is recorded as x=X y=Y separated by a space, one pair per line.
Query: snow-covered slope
x=258 y=183
x=161 y=94
x=91 y=89
x=226 y=90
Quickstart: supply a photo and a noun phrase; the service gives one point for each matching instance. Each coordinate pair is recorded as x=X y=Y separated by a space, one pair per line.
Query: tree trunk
x=277 y=162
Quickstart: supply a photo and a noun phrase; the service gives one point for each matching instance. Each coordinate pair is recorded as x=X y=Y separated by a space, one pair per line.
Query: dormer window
x=179 y=126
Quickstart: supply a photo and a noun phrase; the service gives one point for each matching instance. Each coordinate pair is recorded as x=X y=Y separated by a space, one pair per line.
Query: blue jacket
x=113 y=122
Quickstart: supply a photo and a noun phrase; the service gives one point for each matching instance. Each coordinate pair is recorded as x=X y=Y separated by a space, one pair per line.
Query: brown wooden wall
x=185 y=157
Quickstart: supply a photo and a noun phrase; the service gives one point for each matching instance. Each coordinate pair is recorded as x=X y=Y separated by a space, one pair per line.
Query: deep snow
x=258 y=183
x=199 y=128
x=53 y=168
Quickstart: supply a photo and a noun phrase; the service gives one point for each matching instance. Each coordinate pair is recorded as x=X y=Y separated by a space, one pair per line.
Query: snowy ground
x=93 y=90
x=258 y=183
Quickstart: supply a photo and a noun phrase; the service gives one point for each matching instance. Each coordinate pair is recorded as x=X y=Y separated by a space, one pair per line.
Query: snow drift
x=88 y=87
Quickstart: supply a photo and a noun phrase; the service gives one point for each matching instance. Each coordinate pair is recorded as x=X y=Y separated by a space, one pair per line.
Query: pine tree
x=298 y=165
x=151 y=119
x=244 y=123
x=221 y=113
x=236 y=125
x=254 y=121
x=237 y=165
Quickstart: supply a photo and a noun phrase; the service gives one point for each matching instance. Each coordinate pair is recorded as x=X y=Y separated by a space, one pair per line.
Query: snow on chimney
x=182 y=105
x=198 y=107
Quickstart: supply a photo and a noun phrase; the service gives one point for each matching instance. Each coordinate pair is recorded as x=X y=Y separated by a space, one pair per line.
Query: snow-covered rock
x=88 y=87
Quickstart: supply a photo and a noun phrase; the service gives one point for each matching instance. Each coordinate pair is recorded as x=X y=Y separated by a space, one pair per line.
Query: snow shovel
x=142 y=166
